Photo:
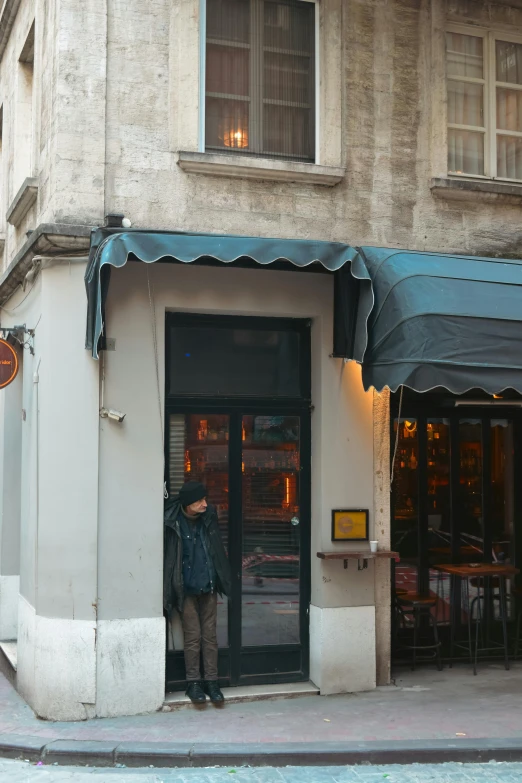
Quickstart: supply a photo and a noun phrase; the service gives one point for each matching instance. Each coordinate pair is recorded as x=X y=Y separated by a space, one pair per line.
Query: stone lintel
x=246 y=167
x=23 y=201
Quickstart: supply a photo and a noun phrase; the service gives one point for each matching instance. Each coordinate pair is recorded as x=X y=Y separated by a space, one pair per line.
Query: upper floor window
x=260 y=78
x=484 y=72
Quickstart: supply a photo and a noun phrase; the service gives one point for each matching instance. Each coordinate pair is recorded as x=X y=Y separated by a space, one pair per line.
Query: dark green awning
x=421 y=320
x=109 y=249
x=439 y=320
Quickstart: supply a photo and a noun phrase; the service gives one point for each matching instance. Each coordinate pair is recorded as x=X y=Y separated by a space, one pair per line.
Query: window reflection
x=405 y=489
x=470 y=483
x=270 y=568
x=502 y=487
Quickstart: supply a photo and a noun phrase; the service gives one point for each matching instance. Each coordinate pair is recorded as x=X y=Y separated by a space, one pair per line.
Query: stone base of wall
x=79 y=669
x=130 y=666
x=342 y=649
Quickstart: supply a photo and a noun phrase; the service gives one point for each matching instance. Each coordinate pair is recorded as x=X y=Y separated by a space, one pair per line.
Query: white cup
x=373 y=546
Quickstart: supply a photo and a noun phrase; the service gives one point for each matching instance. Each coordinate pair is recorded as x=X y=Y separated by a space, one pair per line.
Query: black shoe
x=212 y=688
x=195 y=692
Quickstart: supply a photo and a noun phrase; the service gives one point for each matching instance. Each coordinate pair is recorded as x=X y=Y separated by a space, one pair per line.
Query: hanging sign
x=8 y=364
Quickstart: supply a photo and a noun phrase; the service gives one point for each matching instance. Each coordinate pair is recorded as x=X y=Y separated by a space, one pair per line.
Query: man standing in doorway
x=196 y=569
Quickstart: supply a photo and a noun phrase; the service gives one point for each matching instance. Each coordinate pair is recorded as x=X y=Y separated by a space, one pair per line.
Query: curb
x=172 y=754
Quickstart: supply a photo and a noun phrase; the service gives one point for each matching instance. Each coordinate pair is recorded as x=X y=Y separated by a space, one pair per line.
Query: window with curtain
x=260 y=78
x=484 y=84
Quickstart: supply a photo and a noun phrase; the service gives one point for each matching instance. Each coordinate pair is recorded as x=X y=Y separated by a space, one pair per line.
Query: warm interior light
x=286 y=502
x=497 y=396
x=236 y=138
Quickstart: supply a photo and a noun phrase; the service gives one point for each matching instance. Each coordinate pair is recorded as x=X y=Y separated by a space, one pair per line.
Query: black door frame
x=237 y=665
x=424 y=407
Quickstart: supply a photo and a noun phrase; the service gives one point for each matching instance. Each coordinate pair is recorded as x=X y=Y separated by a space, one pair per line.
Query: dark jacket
x=173 y=593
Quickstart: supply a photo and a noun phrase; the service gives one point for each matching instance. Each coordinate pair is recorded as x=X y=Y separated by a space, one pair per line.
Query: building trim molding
x=23 y=201
x=245 y=167
x=7 y=17
x=472 y=189
x=51 y=239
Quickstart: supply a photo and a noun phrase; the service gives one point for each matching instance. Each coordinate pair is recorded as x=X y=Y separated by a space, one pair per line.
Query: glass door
x=238 y=401
x=256 y=470
x=271 y=535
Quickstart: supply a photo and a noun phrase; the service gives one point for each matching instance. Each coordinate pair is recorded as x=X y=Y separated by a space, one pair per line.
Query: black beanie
x=191 y=492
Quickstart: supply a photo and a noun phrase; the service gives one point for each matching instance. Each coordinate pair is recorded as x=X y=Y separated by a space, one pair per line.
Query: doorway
x=238 y=419
x=455 y=494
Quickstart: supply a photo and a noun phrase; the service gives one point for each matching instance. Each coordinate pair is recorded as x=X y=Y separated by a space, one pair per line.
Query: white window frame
x=202 y=90
x=489 y=37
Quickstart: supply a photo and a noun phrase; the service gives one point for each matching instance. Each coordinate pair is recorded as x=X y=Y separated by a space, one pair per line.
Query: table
x=482 y=571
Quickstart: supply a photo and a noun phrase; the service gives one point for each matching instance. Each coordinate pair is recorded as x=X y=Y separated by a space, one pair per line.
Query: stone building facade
x=102 y=113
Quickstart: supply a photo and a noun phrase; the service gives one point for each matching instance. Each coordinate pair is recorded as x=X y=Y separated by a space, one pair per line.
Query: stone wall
x=392 y=107
x=117 y=96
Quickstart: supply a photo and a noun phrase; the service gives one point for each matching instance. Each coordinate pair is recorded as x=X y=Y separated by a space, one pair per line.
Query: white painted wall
x=10 y=498
x=17 y=471
x=59 y=498
x=131 y=454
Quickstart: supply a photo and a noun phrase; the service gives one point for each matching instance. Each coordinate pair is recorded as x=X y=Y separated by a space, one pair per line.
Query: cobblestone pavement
x=493 y=772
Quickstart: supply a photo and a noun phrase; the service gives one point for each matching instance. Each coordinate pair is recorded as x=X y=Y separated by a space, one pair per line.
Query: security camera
x=110 y=413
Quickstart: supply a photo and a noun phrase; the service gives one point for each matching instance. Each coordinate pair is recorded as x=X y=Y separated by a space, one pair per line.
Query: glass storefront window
x=234 y=362
x=405 y=492
x=438 y=510
x=502 y=487
x=470 y=485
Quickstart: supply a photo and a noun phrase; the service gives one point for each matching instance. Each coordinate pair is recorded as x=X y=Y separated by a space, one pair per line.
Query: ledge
x=52 y=239
x=245 y=167
x=23 y=201
x=366 y=554
x=7 y=16
x=471 y=189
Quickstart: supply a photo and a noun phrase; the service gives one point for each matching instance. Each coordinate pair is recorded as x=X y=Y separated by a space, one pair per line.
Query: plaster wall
x=9 y=590
x=131 y=454
x=10 y=473
x=10 y=502
x=67 y=456
x=59 y=445
x=18 y=533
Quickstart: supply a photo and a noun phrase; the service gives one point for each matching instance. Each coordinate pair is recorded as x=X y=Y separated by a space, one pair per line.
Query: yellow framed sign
x=350 y=524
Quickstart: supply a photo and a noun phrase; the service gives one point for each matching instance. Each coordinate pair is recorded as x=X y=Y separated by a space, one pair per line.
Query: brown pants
x=199 y=619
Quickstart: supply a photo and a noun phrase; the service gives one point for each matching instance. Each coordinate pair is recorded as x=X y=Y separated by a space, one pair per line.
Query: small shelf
x=360 y=557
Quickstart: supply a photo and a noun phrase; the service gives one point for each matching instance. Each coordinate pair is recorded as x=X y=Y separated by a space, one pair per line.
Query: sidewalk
x=426 y=716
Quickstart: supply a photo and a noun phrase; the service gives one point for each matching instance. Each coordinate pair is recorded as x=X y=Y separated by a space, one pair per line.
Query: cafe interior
x=456 y=510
